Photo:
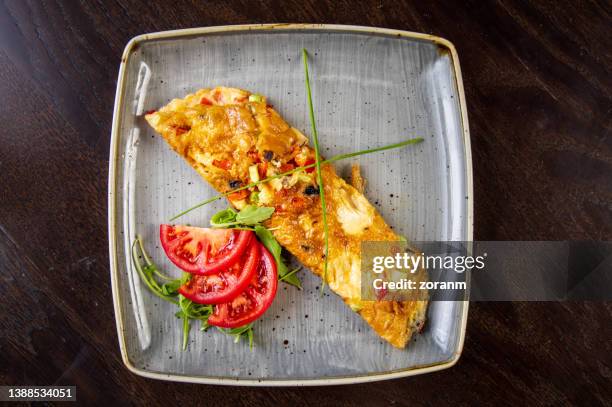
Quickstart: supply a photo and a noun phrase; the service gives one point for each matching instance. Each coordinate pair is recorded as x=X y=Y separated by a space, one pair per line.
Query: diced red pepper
x=286 y=167
x=254 y=156
x=297 y=202
x=206 y=101
x=303 y=160
x=308 y=162
x=223 y=164
x=180 y=129
x=238 y=195
x=262 y=168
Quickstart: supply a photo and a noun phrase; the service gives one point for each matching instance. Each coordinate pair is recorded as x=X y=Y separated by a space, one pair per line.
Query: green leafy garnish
x=148 y=271
x=250 y=215
x=255 y=98
x=190 y=310
x=240 y=332
x=315 y=139
x=298 y=169
x=171 y=288
x=289 y=275
x=186 y=329
x=223 y=218
x=267 y=239
x=194 y=310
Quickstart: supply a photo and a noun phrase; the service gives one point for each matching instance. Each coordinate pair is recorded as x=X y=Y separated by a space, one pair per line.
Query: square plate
x=371 y=87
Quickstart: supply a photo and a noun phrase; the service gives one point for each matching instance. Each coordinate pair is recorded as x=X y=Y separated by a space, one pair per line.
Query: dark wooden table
x=538 y=86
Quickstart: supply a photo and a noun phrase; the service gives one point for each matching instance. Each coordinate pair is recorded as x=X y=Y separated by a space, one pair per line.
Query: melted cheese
x=354 y=212
x=345 y=275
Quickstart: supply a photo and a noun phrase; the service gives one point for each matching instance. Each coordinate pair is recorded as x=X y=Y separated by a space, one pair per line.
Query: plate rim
x=113 y=156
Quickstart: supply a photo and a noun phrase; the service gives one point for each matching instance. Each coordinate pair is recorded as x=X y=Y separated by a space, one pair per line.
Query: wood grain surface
x=538 y=87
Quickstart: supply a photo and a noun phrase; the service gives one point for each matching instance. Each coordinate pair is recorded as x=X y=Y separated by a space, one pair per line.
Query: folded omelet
x=232 y=138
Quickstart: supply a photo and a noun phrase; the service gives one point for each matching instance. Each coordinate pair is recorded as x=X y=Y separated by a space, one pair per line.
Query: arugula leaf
x=223 y=218
x=289 y=275
x=240 y=332
x=267 y=239
x=190 y=310
x=186 y=329
x=148 y=271
x=250 y=336
x=251 y=214
x=171 y=288
x=194 y=310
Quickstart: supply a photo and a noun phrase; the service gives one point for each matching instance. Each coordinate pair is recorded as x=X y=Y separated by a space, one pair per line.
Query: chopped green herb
x=255 y=98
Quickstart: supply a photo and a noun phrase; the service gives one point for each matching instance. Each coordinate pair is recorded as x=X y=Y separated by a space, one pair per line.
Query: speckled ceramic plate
x=370 y=87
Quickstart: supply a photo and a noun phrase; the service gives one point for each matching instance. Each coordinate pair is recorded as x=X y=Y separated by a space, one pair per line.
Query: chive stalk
x=297 y=169
x=315 y=139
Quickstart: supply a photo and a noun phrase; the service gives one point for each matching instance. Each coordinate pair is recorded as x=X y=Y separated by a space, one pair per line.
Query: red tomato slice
x=254 y=300
x=226 y=284
x=203 y=250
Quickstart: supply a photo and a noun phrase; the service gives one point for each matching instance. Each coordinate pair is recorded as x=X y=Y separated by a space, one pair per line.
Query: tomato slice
x=203 y=250
x=254 y=300
x=226 y=284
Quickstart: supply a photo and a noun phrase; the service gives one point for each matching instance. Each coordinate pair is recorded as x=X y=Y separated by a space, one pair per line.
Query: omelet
x=231 y=138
